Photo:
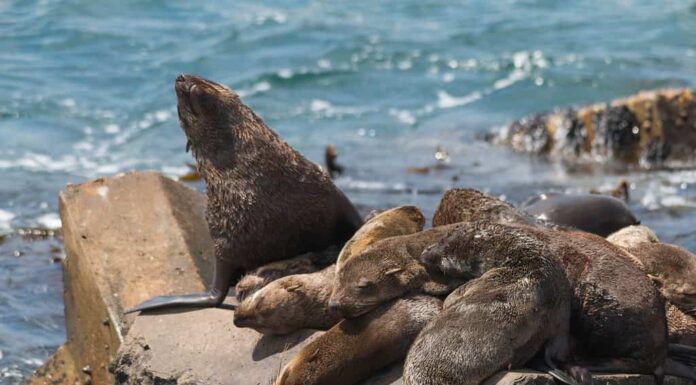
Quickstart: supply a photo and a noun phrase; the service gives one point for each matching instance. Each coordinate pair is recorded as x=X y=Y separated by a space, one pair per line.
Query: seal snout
x=241 y=321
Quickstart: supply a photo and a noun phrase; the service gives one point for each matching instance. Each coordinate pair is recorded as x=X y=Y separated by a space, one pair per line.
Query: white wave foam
x=257 y=88
x=50 y=221
x=404 y=116
x=445 y=100
x=6 y=218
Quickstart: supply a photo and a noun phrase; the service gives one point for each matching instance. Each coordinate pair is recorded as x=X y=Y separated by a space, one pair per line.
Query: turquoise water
x=87 y=90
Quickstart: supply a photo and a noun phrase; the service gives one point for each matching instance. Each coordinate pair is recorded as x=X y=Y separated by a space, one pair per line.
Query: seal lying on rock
x=388 y=269
x=302 y=264
x=469 y=205
x=672 y=268
x=355 y=348
x=266 y=202
x=617 y=316
x=290 y=303
x=593 y=213
x=519 y=303
x=401 y=220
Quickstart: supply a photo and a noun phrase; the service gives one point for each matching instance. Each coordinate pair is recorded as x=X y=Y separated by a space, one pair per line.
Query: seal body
x=353 y=349
x=519 y=302
x=672 y=268
x=401 y=220
x=388 y=269
x=254 y=280
x=597 y=214
x=266 y=202
x=469 y=205
x=290 y=303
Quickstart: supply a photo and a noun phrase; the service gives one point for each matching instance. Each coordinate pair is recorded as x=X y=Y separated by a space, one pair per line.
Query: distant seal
x=400 y=220
x=255 y=279
x=266 y=202
x=672 y=268
x=355 y=348
x=518 y=304
x=290 y=303
x=597 y=214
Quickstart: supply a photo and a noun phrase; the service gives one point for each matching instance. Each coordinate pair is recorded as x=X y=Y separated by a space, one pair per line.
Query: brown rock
x=60 y=369
x=127 y=238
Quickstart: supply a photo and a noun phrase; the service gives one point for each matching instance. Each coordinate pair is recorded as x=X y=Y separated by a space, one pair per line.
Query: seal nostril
x=181 y=78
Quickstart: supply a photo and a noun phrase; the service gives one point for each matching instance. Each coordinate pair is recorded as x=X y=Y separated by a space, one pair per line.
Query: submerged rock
x=651 y=129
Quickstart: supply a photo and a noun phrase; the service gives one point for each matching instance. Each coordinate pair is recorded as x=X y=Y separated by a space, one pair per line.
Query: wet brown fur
x=355 y=348
x=401 y=220
x=302 y=264
x=256 y=183
x=672 y=268
x=517 y=302
x=290 y=303
x=469 y=205
x=389 y=269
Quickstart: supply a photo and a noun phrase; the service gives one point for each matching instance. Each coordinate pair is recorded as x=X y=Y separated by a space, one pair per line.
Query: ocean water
x=87 y=91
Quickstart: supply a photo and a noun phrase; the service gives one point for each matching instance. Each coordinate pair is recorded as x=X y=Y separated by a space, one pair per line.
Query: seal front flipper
x=225 y=272
x=201 y=300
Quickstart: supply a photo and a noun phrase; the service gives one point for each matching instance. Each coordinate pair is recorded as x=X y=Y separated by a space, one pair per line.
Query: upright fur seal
x=290 y=303
x=519 y=304
x=597 y=214
x=266 y=202
x=400 y=220
x=355 y=348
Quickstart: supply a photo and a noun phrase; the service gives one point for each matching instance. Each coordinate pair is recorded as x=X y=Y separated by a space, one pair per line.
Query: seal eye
x=363 y=283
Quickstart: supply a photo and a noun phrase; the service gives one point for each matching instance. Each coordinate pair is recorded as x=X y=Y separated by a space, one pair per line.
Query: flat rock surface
x=204 y=347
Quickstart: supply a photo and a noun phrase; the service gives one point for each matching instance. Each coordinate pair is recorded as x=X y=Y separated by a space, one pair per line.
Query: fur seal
x=617 y=316
x=353 y=349
x=290 y=303
x=597 y=214
x=672 y=268
x=682 y=327
x=256 y=185
x=254 y=280
x=388 y=269
x=518 y=303
x=401 y=220
x=469 y=205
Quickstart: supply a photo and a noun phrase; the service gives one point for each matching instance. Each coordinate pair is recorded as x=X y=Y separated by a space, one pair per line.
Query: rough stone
x=126 y=238
x=60 y=369
x=650 y=128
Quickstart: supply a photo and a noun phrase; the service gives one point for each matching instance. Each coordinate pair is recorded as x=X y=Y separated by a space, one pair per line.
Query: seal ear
x=394 y=271
x=293 y=287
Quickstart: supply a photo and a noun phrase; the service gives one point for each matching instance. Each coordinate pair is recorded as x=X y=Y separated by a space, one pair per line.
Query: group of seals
x=515 y=285
x=355 y=348
x=257 y=185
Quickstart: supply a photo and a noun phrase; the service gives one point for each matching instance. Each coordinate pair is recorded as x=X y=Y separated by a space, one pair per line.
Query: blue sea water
x=87 y=90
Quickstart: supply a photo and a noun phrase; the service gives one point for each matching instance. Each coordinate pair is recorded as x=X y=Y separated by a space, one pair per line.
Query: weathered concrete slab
x=127 y=238
x=204 y=347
